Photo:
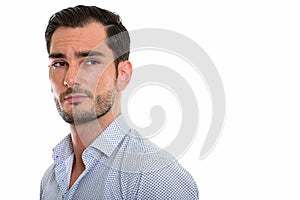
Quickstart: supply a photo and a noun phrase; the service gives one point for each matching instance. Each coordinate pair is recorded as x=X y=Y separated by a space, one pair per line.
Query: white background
x=255 y=46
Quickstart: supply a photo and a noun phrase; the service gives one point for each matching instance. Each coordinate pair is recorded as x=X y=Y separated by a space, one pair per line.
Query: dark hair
x=81 y=15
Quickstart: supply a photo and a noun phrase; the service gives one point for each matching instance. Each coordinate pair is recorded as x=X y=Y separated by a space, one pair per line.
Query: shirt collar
x=106 y=142
x=63 y=149
x=109 y=139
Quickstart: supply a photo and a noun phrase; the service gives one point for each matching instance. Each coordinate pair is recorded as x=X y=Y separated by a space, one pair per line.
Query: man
x=102 y=158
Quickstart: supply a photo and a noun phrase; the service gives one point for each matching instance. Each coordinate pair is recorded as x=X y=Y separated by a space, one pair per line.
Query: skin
x=71 y=66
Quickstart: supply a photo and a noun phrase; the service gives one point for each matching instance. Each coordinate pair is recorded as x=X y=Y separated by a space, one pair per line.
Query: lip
x=75 y=98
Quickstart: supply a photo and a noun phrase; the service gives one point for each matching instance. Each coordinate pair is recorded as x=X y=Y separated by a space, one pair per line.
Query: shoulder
x=49 y=188
x=169 y=182
x=161 y=176
x=48 y=176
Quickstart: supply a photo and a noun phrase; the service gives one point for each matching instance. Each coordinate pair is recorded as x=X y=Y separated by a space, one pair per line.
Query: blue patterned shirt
x=119 y=164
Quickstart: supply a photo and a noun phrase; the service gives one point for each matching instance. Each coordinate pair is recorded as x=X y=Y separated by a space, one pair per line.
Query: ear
x=124 y=74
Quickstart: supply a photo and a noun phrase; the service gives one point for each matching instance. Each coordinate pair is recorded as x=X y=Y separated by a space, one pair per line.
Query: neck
x=84 y=134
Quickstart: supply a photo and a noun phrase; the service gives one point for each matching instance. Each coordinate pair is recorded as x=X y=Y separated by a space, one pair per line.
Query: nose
x=71 y=77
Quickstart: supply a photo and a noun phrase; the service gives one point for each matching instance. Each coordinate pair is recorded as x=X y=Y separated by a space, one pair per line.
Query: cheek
x=56 y=78
x=105 y=84
x=54 y=89
x=56 y=86
x=107 y=80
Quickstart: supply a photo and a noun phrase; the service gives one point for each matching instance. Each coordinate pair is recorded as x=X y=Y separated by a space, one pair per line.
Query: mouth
x=78 y=98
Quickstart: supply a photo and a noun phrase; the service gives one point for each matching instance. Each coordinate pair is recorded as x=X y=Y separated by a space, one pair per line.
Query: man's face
x=82 y=73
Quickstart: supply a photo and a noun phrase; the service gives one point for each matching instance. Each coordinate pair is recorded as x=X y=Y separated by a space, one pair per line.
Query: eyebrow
x=89 y=53
x=81 y=54
x=56 y=55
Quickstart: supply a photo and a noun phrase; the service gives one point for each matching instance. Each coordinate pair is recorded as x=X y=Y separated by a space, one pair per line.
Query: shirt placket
x=89 y=160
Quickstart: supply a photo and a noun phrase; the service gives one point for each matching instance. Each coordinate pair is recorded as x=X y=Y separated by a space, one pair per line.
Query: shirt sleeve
x=170 y=182
x=45 y=179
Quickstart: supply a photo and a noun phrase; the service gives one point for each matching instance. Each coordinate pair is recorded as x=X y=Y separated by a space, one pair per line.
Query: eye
x=59 y=64
x=92 y=62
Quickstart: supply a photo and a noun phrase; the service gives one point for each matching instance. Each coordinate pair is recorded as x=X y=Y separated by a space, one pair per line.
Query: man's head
x=88 y=49
x=81 y=15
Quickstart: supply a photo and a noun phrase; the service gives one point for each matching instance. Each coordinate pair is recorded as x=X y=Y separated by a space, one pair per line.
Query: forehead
x=89 y=37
